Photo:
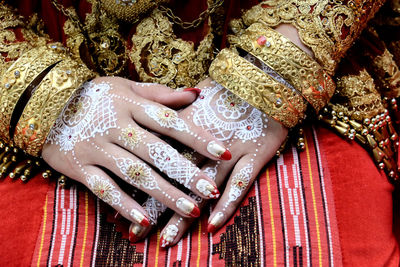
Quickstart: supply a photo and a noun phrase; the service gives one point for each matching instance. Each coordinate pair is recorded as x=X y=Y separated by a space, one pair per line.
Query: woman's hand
x=99 y=133
x=253 y=139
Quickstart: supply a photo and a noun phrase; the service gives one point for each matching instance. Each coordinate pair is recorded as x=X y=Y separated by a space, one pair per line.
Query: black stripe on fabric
x=281 y=211
x=76 y=223
x=261 y=216
x=209 y=249
x=305 y=207
x=301 y=256
x=147 y=252
x=52 y=226
x=323 y=197
x=167 y=252
x=295 y=256
x=96 y=213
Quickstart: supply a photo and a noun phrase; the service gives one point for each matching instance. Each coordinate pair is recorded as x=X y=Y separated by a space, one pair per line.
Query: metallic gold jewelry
x=19 y=76
x=47 y=102
x=289 y=61
x=328 y=27
x=257 y=88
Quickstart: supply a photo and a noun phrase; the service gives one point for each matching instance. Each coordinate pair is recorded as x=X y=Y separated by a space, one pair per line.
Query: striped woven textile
x=287 y=219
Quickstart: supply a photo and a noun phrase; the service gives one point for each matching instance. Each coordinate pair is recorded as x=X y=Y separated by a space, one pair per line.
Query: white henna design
x=169 y=161
x=154 y=209
x=239 y=183
x=89 y=112
x=233 y=117
x=137 y=173
x=166 y=117
x=104 y=189
x=131 y=137
x=211 y=172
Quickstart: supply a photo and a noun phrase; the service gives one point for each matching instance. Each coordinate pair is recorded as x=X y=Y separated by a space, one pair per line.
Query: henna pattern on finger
x=166 y=118
x=137 y=173
x=169 y=161
x=104 y=189
x=154 y=209
x=239 y=183
x=131 y=137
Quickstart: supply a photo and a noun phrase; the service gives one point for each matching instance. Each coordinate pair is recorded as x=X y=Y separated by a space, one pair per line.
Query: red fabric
x=21 y=208
x=364 y=204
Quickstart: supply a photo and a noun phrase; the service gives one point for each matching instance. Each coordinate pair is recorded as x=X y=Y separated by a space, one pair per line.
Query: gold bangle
x=47 y=103
x=258 y=88
x=18 y=77
x=291 y=62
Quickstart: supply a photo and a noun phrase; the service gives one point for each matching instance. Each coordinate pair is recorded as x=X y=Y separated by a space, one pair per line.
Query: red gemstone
x=262 y=40
x=168 y=158
x=201 y=97
x=240 y=183
x=167 y=115
x=137 y=173
x=130 y=134
x=249 y=127
x=232 y=104
x=102 y=191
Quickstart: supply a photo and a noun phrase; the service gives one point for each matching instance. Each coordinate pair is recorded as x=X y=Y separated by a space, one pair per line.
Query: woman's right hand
x=100 y=131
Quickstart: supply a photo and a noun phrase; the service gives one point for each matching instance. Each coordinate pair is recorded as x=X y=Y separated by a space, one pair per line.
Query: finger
x=154 y=209
x=165 y=158
x=241 y=179
x=168 y=122
x=165 y=95
x=108 y=191
x=136 y=172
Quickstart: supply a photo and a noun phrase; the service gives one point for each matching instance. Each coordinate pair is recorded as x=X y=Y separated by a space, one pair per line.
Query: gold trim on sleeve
x=258 y=88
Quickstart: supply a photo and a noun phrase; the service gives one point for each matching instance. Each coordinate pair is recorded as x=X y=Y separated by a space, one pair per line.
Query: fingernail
x=215 y=222
x=134 y=232
x=188 y=207
x=197 y=91
x=207 y=189
x=139 y=218
x=218 y=151
x=168 y=235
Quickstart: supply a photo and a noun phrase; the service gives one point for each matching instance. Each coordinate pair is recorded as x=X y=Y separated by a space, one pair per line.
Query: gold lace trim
x=328 y=27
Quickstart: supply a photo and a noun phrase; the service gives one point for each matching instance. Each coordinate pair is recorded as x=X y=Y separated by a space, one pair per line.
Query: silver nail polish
x=215 y=149
x=217 y=219
x=185 y=205
x=169 y=235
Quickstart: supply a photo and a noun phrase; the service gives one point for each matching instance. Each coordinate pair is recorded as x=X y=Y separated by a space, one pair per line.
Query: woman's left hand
x=251 y=136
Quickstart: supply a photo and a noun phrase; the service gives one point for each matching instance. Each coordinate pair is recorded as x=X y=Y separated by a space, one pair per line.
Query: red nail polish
x=132 y=237
x=226 y=155
x=197 y=91
x=195 y=212
x=211 y=228
x=145 y=222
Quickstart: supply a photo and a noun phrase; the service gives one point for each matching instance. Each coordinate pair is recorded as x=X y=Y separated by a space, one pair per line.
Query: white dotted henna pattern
x=166 y=117
x=227 y=116
x=137 y=173
x=104 y=189
x=169 y=161
x=154 y=209
x=89 y=112
x=131 y=137
x=239 y=183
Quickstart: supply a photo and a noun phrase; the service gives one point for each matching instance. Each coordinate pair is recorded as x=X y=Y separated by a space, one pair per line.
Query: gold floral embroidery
x=329 y=27
x=160 y=57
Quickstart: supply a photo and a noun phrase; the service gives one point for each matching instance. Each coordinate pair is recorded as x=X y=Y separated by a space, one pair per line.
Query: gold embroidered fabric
x=357 y=96
x=259 y=89
x=328 y=27
x=288 y=60
x=47 y=103
x=160 y=57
